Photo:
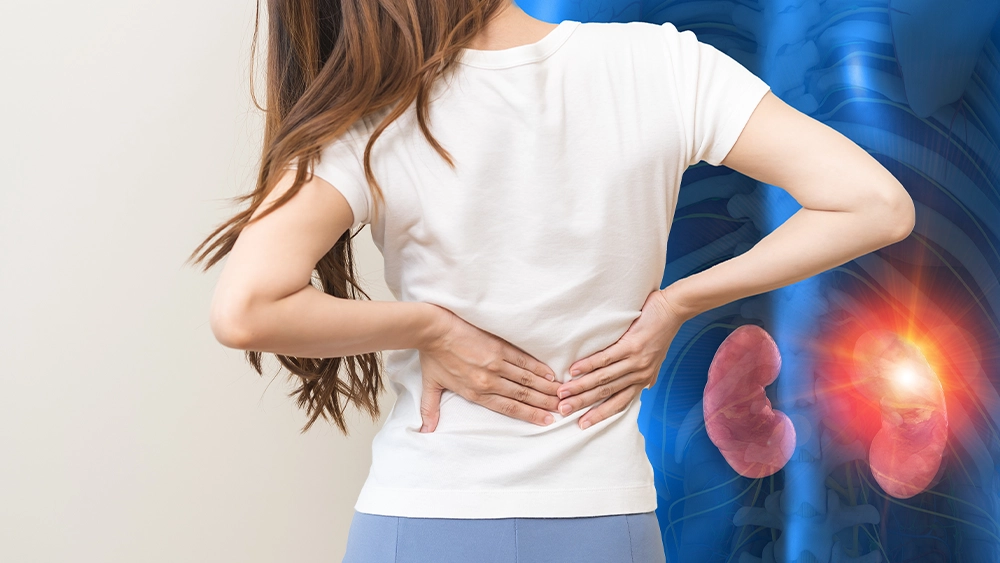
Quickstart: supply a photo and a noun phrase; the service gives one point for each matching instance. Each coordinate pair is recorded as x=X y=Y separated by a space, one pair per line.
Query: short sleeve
x=716 y=95
x=341 y=166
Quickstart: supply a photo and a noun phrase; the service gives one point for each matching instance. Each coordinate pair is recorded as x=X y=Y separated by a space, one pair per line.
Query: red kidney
x=906 y=453
x=755 y=439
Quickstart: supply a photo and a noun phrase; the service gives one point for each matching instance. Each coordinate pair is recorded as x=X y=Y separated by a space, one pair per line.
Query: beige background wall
x=127 y=433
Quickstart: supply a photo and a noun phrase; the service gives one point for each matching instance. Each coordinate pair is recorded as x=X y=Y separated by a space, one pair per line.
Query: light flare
x=905 y=455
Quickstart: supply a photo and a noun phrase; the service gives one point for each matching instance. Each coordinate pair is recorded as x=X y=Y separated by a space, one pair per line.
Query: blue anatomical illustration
x=855 y=415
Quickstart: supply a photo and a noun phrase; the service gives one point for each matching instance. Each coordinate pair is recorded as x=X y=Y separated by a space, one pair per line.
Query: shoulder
x=354 y=138
x=631 y=39
x=634 y=31
x=621 y=31
x=623 y=46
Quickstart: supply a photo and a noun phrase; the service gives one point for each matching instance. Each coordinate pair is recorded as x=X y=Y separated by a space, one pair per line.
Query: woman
x=521 y=191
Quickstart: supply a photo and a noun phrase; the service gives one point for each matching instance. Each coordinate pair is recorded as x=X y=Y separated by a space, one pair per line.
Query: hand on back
x=620 y=372
x=490 y=371
x=484 y=369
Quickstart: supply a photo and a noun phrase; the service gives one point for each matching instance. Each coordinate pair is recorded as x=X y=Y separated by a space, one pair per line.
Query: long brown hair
x=330 y=63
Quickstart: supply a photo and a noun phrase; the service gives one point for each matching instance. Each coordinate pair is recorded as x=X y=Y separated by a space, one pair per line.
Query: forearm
x=314 y=324
x=809 y=242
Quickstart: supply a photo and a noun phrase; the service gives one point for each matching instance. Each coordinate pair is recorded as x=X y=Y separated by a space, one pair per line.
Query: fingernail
x=575 y=372
x=550 y=377
x=565 y=409
x=549 y=418
x=423 y=427
x=584 y=424
x=564 y=393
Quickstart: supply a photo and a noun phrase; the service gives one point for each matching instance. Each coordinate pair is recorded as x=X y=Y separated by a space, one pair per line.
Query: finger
x=600 y=392
x=523 y=386
x=516 y=409
x=599 y=359
x=430 y=403
x=596 y=378
x=614 y=405
x=519 y=358
x=530 y=379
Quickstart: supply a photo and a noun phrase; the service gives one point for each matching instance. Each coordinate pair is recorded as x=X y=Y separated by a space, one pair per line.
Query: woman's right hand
x=484 y=369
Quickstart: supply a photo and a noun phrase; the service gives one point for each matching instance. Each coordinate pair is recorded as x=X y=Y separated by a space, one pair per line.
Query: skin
x=264 y=301
x=511 y=27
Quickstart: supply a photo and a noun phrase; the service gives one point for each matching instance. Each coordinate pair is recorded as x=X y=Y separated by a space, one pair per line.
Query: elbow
x=905 y=217
x=897 y=213
x=229 y=322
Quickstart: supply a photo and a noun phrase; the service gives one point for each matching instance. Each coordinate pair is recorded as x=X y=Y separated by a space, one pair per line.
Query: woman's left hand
x=621 y=371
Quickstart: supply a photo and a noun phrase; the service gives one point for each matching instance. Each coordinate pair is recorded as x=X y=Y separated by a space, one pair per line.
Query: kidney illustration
x=755 y=439
x=906 y=452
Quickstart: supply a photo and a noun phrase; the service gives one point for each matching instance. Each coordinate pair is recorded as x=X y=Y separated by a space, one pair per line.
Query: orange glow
x=885 y=381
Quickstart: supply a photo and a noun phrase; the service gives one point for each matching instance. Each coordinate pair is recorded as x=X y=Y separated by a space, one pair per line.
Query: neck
x=511 y=27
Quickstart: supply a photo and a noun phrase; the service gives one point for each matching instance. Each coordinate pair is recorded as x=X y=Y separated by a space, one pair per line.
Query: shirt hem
x=506 y=503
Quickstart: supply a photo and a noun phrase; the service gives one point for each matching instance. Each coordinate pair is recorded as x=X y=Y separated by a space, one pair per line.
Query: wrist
x=674 y=295
x=433 y=325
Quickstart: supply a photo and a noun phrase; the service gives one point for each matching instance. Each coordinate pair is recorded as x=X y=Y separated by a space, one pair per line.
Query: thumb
x=430 y=403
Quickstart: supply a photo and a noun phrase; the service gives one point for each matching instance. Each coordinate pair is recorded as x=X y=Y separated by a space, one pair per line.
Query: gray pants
x=620 y=538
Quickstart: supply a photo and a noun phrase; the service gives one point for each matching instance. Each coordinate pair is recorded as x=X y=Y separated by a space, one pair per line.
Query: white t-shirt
x=550 y=233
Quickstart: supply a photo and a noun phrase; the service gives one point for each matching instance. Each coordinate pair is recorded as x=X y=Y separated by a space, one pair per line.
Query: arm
x=851 y=206
x=264 y=301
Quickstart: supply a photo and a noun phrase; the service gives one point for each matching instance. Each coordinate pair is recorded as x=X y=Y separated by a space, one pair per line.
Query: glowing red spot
x=906 y=453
